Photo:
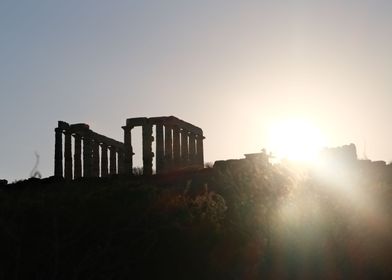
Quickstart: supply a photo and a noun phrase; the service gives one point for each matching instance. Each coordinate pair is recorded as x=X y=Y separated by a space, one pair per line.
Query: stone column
x=95 y=165
x=192 y=148
x=87 y=156
x=147 y=149
x=78 y=157
x=120 y=159
x=184 y=147
x=168 y=148
x=176 y=147
x=58 y=153
x=104 y=160
x=159 y=149
x=200 y=151
x=128 y=151
x=68 y=156
x=113 y=161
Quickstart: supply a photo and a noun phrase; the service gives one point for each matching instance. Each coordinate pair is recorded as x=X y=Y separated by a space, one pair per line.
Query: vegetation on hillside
x=245 y=220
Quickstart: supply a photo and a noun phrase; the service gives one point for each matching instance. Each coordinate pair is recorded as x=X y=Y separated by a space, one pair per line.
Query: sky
x=229 y=67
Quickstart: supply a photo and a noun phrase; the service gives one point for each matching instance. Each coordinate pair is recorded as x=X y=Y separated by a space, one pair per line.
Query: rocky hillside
x=242 y=219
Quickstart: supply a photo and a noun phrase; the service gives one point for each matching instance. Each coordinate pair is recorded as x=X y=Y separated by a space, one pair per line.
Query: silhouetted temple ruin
x=101 y=155
x=178 y=145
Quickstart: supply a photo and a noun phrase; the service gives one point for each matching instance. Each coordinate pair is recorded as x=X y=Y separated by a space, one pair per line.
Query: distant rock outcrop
x=344 y=154
x=251 y=161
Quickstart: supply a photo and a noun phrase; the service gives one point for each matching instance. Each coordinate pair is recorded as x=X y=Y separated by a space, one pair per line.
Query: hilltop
x=241 y=219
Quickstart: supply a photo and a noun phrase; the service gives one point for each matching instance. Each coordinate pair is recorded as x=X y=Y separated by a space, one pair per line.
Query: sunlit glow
x=295 y=139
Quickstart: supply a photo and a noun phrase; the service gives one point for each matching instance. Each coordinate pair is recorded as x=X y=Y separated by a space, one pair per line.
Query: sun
x=295 y=140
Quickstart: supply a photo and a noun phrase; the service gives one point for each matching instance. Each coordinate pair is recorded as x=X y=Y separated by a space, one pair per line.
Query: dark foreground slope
x=239 y=220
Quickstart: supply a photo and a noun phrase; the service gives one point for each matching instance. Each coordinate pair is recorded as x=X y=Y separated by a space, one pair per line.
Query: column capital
x=128 y=127
x=200 y=137
x=112 y=148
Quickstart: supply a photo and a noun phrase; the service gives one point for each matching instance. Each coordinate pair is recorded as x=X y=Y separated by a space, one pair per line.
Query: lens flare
x=295 y=140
